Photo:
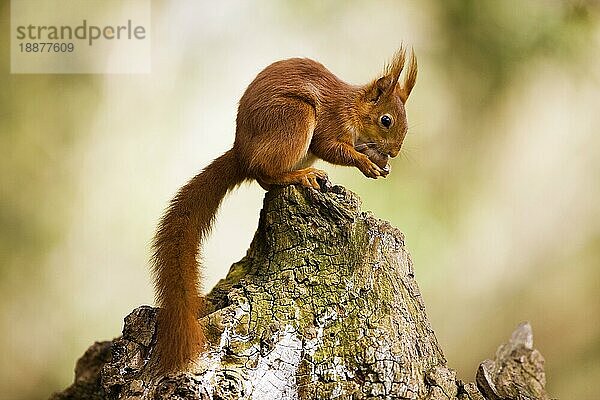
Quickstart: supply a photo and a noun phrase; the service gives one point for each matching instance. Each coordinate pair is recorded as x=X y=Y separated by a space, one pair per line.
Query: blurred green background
x=497 y=188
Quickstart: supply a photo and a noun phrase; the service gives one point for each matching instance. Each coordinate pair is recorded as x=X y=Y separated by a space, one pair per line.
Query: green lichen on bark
x=339 y=284
x=323 y=306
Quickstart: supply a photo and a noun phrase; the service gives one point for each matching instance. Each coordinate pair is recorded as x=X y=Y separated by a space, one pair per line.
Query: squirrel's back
x=300 y=78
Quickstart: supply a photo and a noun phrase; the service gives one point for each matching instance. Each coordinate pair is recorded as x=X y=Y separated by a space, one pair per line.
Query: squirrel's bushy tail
x=177 y=275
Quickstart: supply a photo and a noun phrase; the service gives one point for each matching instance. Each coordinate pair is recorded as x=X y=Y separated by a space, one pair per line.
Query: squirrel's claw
x=324 y=183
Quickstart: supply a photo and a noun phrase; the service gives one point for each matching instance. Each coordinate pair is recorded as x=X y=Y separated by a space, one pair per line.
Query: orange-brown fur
x=292 y=113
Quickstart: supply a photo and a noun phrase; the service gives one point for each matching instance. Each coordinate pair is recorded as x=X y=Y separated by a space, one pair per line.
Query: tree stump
x=323 y=306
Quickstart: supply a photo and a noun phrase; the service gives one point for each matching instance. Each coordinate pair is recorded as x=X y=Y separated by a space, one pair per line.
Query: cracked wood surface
x=323 y=306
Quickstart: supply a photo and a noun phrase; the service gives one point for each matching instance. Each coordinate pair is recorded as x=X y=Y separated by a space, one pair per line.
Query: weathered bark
x=323 y=306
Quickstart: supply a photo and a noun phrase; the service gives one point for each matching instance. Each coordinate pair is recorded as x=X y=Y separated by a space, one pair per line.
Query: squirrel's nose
x=393 y=152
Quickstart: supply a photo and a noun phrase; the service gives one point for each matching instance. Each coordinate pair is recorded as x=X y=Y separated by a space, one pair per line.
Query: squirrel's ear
x=376 y=89
x=409 y=79
x=389 y=82
x=385 y=85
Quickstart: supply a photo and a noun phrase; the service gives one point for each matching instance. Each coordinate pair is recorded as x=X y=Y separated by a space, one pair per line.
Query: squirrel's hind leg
x=278 y=156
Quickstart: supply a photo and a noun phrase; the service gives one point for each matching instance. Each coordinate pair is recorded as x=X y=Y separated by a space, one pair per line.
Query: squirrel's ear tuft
x=386 y=85
x=409 y=79
x=395 y=67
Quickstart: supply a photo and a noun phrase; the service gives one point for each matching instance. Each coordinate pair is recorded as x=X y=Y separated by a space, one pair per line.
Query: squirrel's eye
x=386 y=120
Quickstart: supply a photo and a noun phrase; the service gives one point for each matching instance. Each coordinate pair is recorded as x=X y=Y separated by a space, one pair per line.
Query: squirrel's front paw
x=369 y=168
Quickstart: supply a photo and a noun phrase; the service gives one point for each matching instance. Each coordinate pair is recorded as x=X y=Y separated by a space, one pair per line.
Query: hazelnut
x=381 y=160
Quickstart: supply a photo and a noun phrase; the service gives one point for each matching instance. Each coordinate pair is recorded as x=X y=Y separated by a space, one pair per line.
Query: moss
x=341 y=282
x=323 y=306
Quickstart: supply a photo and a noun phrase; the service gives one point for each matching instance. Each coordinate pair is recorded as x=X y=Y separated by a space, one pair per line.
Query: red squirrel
x=292 y=113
